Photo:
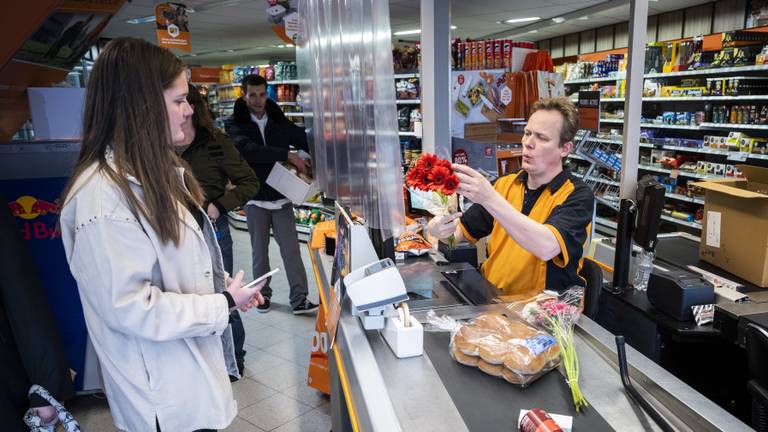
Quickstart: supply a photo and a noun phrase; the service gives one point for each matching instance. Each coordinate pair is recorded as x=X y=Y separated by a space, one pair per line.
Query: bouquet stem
x=564 y=337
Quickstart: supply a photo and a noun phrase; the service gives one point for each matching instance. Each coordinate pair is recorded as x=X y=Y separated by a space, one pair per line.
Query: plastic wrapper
x=557 y=313
x=500 y=346
x=413 y=244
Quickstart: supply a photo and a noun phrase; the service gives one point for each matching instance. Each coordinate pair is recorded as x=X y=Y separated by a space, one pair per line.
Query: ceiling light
x=584 y=18
x=407 y=32
x=193 y=55
x=558 y=20
x=230 y=50
x=533 y=31
x=519 y=20
x=263 y=66
x=453 y=27
x=142 y=20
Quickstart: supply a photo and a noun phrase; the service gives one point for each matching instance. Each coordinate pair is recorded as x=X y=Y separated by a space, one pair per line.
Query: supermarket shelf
x=679 y=172
x=691 y=98
x=577 y=156
x=224 y=102
x=605 y=140
x=606 y=222
x=312 y=205
x=696 y=150
x=695 y=225
x=733 y=126
x=685 y=198
x=591 y=80
x=409 y=101
x=599 y=180
x=407 y=75
x=413 y=134
x=617 y=121
x=283 y=82
x=288 y=103
x=292 y=114
x=719 y=71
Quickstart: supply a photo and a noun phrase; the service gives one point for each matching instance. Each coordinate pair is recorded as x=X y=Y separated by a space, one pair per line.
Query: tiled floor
x=274 y=394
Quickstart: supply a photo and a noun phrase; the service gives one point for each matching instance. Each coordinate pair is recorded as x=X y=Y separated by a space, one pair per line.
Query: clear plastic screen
x=344 y=56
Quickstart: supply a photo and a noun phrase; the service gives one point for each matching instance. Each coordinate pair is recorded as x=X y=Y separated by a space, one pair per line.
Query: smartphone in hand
x=261 y=278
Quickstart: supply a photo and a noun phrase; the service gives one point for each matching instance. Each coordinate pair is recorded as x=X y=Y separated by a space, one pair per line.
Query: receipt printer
x=373 y=289
x=674 y=292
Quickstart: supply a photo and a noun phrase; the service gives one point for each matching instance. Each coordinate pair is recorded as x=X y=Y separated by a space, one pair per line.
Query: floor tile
x=308 y=395
x=240 y=425
x=266 y=336
x=247 y=392
x=274 y=411
x=313 y=421
x=282 y=377
x=257 y=361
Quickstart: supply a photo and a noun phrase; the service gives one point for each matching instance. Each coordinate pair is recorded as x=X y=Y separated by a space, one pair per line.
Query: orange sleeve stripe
x=560 y=262
x=466 y=234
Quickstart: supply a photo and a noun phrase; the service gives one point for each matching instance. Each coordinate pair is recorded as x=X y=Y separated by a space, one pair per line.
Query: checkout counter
x=372 y=390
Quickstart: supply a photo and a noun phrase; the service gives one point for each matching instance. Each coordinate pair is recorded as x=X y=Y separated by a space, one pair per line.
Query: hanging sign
x=172 y=26
x=284 y=17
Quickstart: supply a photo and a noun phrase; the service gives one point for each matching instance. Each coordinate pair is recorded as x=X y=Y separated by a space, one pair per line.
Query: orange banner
x=172 y=26
x=205 y=75
x=318 y=377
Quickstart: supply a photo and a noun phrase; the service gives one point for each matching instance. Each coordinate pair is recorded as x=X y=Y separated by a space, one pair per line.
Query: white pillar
x=633 y=97
x=436 y=76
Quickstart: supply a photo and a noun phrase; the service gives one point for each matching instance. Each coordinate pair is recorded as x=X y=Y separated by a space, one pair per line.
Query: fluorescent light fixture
x=263 y=66
x=193 y=55
x=142 y=20
x=584 y=18
x=407 y=32
x=230 y=50
x=453 y=27
x=558 y=20
x=520 y=20
x=533 y=31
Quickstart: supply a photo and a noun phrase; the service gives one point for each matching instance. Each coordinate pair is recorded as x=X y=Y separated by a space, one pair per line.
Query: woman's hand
x=245 y=298
x=47 y=414
x=213 y=212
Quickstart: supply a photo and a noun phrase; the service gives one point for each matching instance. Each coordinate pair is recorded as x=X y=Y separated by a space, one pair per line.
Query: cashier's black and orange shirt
x=564 y=206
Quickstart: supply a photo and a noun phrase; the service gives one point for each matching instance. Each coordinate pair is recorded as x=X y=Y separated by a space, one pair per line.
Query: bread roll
x=463 y=358
x=491 y=369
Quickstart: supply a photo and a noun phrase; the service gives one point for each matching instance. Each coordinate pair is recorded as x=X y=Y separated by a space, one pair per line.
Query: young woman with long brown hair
x=143 y=252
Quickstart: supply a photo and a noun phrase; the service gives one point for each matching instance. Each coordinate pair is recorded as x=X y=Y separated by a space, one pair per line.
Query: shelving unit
x=655 y=105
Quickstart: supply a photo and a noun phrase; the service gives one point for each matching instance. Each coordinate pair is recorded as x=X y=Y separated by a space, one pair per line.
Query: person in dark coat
x=31 y=351
x=216 y=164
x=264 y=136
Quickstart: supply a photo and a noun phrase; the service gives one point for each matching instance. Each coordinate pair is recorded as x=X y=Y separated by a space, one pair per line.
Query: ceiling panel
x=243 y=24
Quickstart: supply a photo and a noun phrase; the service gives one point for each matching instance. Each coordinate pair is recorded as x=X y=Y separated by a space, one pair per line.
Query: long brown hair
x=201 y=115
x=125 y=110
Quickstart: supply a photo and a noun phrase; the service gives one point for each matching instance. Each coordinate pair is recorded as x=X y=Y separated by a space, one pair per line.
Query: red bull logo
x=28 y=208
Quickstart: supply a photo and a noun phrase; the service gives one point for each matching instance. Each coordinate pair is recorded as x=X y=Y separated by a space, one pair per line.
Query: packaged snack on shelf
x=413 y=244
x=500 y=346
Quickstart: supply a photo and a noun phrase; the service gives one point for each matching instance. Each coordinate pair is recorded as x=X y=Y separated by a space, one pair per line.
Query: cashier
x=538 y=219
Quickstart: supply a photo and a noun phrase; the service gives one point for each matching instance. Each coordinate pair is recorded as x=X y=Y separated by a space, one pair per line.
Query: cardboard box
x=734 y=233
x=291 y=185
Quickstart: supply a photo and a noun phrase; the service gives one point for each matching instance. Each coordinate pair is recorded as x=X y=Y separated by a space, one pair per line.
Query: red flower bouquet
x=432 y=174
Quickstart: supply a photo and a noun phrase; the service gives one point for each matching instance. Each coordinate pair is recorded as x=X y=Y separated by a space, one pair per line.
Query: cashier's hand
x=301 y=165
x=473 y=185
x=245 y=298
x=442 y=227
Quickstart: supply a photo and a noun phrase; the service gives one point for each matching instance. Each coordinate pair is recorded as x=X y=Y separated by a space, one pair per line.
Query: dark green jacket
x=216 y=161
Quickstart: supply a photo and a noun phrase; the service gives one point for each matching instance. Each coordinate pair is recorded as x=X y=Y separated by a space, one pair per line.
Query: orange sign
x=205 y=75
x=318 y=377
x=172 y=26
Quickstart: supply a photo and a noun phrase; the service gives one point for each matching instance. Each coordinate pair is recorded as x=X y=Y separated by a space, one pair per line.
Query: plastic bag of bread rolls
x=501 y=346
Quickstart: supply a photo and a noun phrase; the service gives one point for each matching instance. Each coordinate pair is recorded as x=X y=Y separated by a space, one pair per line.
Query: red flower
x=438 y=175
x=444 y=163
x=450 y=184
x=428 y=161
